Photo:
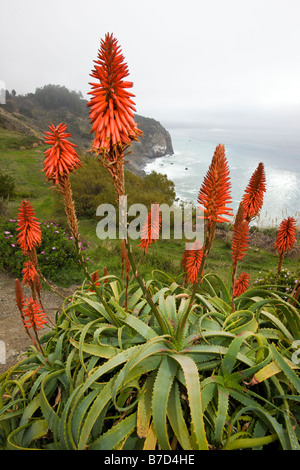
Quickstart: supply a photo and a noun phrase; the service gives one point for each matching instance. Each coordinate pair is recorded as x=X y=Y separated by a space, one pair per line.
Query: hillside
x=31 y=114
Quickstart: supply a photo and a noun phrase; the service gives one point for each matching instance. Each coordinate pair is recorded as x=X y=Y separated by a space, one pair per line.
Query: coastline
x=189 y=163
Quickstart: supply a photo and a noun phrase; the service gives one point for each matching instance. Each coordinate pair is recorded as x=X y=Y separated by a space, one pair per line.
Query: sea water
x=194 y=149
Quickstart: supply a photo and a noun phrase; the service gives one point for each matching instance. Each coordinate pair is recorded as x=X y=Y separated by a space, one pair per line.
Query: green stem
x=210 y=231
x=163 y=325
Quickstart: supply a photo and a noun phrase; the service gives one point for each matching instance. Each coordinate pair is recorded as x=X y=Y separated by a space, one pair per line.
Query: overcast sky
x=188 y=59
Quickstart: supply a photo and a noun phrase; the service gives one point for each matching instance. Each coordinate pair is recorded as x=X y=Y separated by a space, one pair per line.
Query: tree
x=7 y=186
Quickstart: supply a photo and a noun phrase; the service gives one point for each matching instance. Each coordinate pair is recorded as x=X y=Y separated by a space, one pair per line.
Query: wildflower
x=111 y=106
x=193 y=260
x=254 y=193
x=285 y=239
x=241 y=284
x=240 y=240
x=33 y=315
x=286 y=235
x=29 y=273
x=61 y=158
x=95 y=279
x=53 y=248
x=124 y=259
x=29 y=228
x=239 y=246
x=105 y=273
x=7 y=233
x=214 y=194
x=13 y=245
x=151 y=227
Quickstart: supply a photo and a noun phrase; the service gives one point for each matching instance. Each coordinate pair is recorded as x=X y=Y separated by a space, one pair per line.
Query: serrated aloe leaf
x=139 y=326
x=231 y=355
x=177 y=419
x=275 y=320
x=192 y=381
x=153 y=348
x=286 y=368
x=50 y=415
x=30 y=432
x=251 y=442
x=106 y=351
x=263 y=414
x=144 y=409
x=269 y=370
x=151 y=439
x=161 y=390
x=96 y=408
x=223 y=402
x=240 y=321
x=117 y=434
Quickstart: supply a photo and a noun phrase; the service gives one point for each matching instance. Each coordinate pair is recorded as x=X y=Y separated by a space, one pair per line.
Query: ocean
x=245 y=149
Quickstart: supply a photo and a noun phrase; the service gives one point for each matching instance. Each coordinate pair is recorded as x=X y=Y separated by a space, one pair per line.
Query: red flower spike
x=214 y=194
x=29 y=273
x=111 y=106
x=151 y=228
x=30 y=234
x=286 y=235
x=241 y=284
x=105 y=273
x=61 y=158
x=193 y=261
x=254 y=193
x=34 y=313
x=240 y=242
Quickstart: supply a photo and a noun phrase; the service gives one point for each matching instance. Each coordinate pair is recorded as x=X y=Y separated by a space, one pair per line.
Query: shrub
x=90 y=191
x=284 y=282
x=56 y=255
x=7 y=186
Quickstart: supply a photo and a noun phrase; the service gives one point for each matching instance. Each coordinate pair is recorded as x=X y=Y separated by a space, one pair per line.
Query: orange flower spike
x=20 y=299
x=286 y=235
x=29 y=273
x=214 y=194
x=30 y=234
x=61 y=158
x=193 y=262
x=241 y=284
x=34 y=313
x=151 y=228
x=240 y=242
x=254 y=193
x=111 y=106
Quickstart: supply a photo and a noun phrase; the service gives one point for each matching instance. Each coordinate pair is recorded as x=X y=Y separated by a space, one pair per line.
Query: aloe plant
x=119 y=382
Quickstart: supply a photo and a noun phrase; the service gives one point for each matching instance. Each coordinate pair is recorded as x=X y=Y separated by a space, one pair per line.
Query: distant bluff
x=32 y=113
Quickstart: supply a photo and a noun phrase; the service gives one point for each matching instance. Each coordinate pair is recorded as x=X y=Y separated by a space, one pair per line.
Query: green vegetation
x=91 y=186
x=56 y=255
x=108 y=378
x=132 y=363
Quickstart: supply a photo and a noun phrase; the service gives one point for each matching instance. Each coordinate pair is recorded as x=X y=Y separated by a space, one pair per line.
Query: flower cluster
x=151 y=228
x=241 y=284
x=33 y=315
x=61 y=157
x=29 y=228
x=286 y=235
x=214 y=194
x=111 y=106
x=254 y=193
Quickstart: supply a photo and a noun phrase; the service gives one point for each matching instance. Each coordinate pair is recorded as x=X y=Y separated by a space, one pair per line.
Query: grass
x=26 y=165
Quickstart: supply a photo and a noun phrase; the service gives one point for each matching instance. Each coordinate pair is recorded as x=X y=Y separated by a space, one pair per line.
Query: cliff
x=155 y=142
x=31 y=114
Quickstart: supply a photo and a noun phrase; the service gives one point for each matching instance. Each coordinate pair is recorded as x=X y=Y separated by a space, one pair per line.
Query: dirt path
x=12 y=331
